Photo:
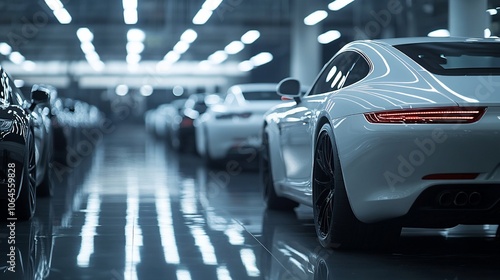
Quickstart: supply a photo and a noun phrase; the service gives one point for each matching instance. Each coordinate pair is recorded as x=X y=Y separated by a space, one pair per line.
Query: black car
x=24 y=132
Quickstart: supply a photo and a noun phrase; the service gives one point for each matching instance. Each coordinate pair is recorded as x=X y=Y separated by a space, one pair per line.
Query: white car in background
x=394 y=133
x=232 y=127
x=158 y=120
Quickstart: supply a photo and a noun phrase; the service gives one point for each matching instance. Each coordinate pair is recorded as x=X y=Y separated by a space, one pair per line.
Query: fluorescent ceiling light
x=129 y=4
x=245 y=66
x=163 y=66
x=218 y=57
x=97 y=65
x=211 y=4
x=136 y=34
x=492 y=12
x=172 y=57
x=54 y=5
x=84 y=34
x=133 y=58
x=234 y=47
x=181 y=47
x=16 y=57
x=87 y=47
x=487 y=33
x=93 y=56
x=250 y=37
x=339 y=4
x=146 y=90
x=439 y=33
x=5 y=49
x=121 y=90
x=29 y=65
x=178 y=91
x=329 y=36
x=135 y=47
x=261 y=59
x=204 y=65
x=189 y=36
x=202 y=16
x=315 y=17
x=63 y=16
x=130 y=16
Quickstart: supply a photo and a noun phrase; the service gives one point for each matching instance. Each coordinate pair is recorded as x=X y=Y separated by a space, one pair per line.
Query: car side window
x=336 y=74
x=359 y=70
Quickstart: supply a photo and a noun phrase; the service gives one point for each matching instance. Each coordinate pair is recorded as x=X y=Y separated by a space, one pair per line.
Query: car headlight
x=5 y=124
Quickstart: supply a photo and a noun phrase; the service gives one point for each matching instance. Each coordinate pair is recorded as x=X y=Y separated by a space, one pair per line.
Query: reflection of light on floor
x=204 y=244
x=165 y=223
x=89 y=229
x=183 y=274
x=188 y=199
x=234 y=234
x=250 y=262
x=223 y=273
x=133 y=233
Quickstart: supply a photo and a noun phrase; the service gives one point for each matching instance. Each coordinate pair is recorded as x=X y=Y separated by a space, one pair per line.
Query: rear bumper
x=387 y=168
x=449 y=205
x=229 y=138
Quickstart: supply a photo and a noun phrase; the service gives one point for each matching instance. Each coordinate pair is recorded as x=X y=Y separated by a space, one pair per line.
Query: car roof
x=415 y=40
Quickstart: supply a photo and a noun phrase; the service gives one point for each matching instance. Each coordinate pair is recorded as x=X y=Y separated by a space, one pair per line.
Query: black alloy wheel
x=335 y=223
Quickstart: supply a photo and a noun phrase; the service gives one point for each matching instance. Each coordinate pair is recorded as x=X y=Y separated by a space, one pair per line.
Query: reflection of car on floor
x=33 y=248
x=24 y=132
x=231 y=128
x=397 y=132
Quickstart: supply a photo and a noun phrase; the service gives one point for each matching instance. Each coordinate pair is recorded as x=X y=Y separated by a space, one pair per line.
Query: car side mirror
x=290 y=88
x=40 y=94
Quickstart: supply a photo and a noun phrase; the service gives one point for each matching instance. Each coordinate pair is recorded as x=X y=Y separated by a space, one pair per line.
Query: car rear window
x=456 y=58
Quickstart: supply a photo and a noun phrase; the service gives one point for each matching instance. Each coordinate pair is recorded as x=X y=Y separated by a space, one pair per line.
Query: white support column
x=468 y=18
x=305 y=49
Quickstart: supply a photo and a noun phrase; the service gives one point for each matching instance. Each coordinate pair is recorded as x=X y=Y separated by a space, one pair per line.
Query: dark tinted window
x=5 y=88
x=358 y=71
x=455 y=58
x=261 y=95
x=337 y=73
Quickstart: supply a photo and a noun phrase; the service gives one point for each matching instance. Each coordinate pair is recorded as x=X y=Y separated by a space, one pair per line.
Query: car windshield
x=455 y=58
x=261 y=95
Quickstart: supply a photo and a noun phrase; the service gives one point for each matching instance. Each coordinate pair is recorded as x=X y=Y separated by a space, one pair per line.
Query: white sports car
x=395 y=132
x=232 y=128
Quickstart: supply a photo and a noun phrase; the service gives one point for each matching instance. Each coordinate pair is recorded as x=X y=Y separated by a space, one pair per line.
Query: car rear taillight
x=432 y=116
x=186 y=122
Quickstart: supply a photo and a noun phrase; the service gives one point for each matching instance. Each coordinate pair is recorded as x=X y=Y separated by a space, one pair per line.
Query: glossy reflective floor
x=136 y=210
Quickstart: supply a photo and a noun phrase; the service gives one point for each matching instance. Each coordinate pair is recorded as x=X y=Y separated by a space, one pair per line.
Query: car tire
x=26 y=202
x=271 y=198
x=335 y=223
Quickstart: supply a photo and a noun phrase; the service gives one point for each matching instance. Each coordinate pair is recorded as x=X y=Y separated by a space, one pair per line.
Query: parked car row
x=392 y=133
x=215 y=128
x=29 y=138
